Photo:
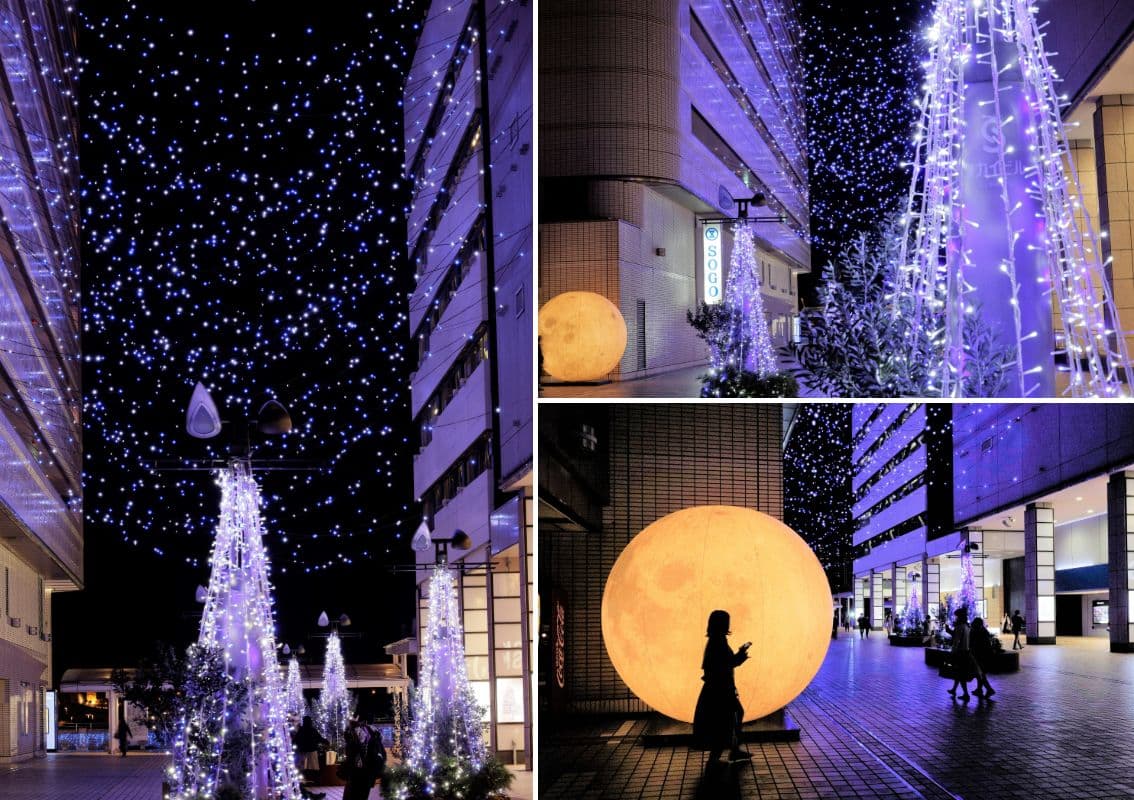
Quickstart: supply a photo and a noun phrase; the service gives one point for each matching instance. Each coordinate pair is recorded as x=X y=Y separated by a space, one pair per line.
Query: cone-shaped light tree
x=295 y=706
x=334 y=698
x=237 y=738
x=995 y=225
x=749 y=343
x=446 y=733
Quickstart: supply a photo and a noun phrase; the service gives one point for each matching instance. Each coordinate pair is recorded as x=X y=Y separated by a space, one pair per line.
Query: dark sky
x=863 y=64
x=243 y=216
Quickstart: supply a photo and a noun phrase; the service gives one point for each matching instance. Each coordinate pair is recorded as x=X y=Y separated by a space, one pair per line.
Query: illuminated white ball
x=582 y=336
x=687 y=564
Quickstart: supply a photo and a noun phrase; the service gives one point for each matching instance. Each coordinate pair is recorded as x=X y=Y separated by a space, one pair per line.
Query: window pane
x=506 y=584
x=506 y=609
x=509 y=663
x=480 y=692
x=477 y=669
x=509 y=700
x=476 y=598
x=510 y=737
x=476 y=644
x=476 y=621
x=509 y=636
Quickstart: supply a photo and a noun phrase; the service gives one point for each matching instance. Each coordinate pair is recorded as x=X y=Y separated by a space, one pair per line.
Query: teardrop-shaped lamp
x=273 y=419
x=421 y=541
x=202 y=420
x=324 y=620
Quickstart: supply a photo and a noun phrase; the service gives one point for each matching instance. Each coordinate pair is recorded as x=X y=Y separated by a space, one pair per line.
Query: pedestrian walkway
x=878 y=723
x=136 y=777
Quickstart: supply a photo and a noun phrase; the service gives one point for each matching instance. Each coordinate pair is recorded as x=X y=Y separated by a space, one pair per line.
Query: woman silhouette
x=716 y=721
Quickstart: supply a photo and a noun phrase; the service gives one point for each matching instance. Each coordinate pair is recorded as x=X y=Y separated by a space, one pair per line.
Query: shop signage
x=714 y=275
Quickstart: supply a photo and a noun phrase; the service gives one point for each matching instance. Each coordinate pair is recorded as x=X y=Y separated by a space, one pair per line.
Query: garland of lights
x=749 y=346
x=335 y=705
x=251 y=749
x=938 y=265
x=446 y=718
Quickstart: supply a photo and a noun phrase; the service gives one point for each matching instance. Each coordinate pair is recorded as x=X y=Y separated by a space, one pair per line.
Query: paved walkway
x=878 y=723
x=136 y=777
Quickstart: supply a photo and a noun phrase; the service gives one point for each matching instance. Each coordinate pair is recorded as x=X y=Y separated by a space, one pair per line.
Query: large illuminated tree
x=334 y=698
x=749 y=342
x=238 y=742
x=445 y=755
x=991 y=221
x=294 y=690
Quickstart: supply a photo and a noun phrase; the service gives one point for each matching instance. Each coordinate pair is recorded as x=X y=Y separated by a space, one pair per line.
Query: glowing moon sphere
x=675 y=572
x=582 y=336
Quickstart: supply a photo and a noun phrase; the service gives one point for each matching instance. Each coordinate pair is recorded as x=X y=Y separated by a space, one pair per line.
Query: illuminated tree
x=335 y=702
x=237 y=741
x=990 y=158
x=445 y=755
x=295 y=706
x=749 y=343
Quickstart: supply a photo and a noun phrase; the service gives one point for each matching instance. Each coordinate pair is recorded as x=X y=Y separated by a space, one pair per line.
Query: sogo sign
x=711 y=247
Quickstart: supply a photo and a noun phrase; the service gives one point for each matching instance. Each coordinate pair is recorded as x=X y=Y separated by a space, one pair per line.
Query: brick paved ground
x=136 y=777
x=878 y=723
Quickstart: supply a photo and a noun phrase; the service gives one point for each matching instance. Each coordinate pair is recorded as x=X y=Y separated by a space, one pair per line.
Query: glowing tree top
x=991 y=226
x=334 y=699
x=447 y=722
x=749 y=344
x=968 y=597
x=242 y=741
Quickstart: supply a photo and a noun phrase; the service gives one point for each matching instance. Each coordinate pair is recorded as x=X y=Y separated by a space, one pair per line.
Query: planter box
x=907 y=641
x=1002 y=662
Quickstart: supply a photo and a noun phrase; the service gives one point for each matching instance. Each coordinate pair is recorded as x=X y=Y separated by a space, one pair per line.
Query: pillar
x=931 y=579
x=975 y=539
x=877 y=600
x=899 y=583
x=1039 y=573
x=859 y=598
x=1120 y=557
x=1114 y=164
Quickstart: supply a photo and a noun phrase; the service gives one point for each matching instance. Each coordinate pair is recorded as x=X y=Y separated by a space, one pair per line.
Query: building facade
x=607 y=472
x=1039 y=498
x=468 y=129
x=1091 y=46
x=656 y=117
x=41 y=529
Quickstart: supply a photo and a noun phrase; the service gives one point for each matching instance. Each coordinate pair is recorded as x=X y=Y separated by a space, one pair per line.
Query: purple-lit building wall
x=1084 y=37
x=468 y=129
x=1040 y=494
x=653 y=117
x=41 y=527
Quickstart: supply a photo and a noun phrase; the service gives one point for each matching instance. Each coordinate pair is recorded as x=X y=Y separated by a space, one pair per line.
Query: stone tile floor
x=878 y=723
x=136 y=777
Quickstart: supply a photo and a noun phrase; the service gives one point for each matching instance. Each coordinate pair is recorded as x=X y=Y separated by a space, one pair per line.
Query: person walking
x=980 y=644
x=961 y=659
x=863 y=627
x=123 y=733
x=1017 y=629
x=308 y=740
x=717 y=718
x=365 y=758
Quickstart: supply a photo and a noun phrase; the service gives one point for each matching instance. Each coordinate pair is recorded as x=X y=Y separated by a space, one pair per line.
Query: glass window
x=506 y=584
x=506 y=609
x=509 y=663
x=476 y=620
x=509 y=636
x=509 y=700
x=477 y=668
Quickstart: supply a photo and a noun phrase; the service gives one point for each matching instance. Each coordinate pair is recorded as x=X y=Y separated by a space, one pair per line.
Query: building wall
x=41 y=533
x=1082 y=36
x=662 y=458
x=654 y=116
x=468 y=129
x=1006 y=455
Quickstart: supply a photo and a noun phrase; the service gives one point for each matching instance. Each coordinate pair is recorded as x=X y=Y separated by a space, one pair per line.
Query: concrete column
x=877 y=607
x=1039 y=573
x=899 y=581
x=932 y=581
x=976 y=537
x=859 y=598
x=1120 y=557
x=1114 y=164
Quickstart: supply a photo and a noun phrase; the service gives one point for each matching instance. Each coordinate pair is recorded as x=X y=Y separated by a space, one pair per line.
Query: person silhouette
x=717 y=718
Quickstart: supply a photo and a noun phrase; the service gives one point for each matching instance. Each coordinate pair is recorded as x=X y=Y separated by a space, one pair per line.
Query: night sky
x=243 y=223
x=863 y=65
